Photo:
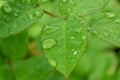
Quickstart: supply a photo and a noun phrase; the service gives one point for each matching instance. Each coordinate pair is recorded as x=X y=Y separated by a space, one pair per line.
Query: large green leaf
x=63 y=42
x=5 y=72
x=36 y=68
x=106 y=26
x=67 y=7
x=15 y=47
x=17 y=15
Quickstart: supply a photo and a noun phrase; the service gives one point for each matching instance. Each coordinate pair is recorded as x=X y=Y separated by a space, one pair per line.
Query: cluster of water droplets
x=48 y=43
x=66 y=6
x=49 y=30
x=109 y=29
x=14 y=11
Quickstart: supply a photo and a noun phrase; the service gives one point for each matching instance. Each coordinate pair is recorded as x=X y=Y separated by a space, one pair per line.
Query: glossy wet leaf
x=17 y=15
x=98 y=63
x=15 y=47
x=81 y=7
x=107 y=27
x=63 y=42
x=36 y=68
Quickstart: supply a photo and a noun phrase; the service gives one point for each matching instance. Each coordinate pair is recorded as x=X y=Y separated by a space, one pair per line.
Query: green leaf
x=82 y=7
x=63 y=42
x=106 y=26
x=17 y=15
x=5 y=72
x=15 y=47
x=98 y=63
x=36 y=68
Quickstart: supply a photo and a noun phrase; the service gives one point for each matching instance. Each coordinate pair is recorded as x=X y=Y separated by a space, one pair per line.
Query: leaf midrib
x=65 y=48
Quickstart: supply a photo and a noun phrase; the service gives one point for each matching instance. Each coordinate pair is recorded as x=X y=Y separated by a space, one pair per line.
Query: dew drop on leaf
x=38 y=14
x=17 y=11
x=15 y=26
x=84 y=37
x=72 y=2
x=78 y=30
x=69 y=10
x=106 y=35
x=75 y=52
x=49 y=29
x=7 y=19
x=7 y=8
x=117 y=21
x=15 y=14
x=30 y=16
x=49 y=43
x=52 y=62
x=95 y=32
x=64 y=0
x=110 y=15
x=72 y=37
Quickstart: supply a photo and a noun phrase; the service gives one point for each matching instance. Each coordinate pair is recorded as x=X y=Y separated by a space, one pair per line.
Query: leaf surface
x=17 y=15
x=106 y=26
x=82 y=7
x=63 y=42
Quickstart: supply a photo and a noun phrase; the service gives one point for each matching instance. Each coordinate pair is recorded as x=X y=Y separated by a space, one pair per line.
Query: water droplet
x=7 y=19
x=79 y=14
x=73 y=49
x=72 y=2
x=75 y=52
x=17 y=11
x=72 y=37
x=15 y=26
x=38 y=13
x=69 y=9
x=50 y=29
x=106 y=35
x=110 y=15
x=64 y=0
x=78 y=30
x=58 y=24
x=117 y=21
x=2 y=2
x=84 y=37
x=30 y=16
x=7 y=8
x=95 y=32
x=52 y=62
x=11 y=1
x=88 y=29
x=49 y=43
x=15 y=14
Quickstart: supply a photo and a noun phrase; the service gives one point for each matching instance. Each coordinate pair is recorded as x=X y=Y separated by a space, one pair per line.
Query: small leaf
x=17 y=15
x=106 y=26
x=63 y=43
x=15 y=47
x=82 y=7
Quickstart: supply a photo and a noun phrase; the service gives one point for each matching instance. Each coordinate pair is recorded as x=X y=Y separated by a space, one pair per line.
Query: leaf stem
x=49 y=13
x=67 y=78
x=10 y=64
